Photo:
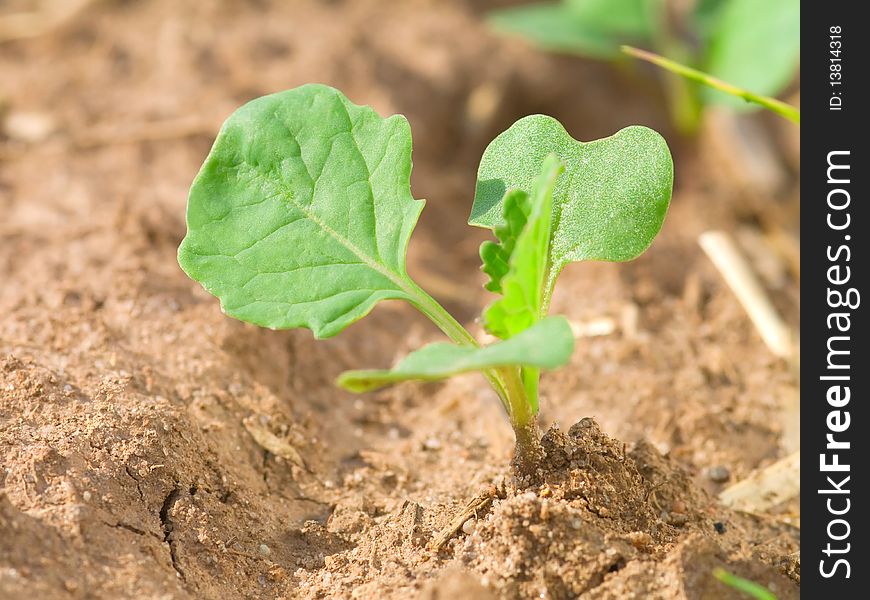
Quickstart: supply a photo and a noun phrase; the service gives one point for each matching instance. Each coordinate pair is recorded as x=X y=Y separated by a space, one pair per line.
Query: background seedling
x=302 y=212
x=747 y=587
x=779 y=107
x=753 y=45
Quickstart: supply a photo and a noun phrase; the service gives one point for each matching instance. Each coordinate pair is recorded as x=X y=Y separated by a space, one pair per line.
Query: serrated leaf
x=753 y=45
x=589 y=27
x=521 y=304
x=301 y=214
x=516 y=207
x=609 y=204
x=548 y=345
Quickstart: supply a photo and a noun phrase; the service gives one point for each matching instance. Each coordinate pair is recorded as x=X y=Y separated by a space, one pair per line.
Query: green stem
x=683 y=100
x=685 y=105
x=442 y=319
x=520 y=410
x=781 y=108
x=506 y=381
x=460 y=335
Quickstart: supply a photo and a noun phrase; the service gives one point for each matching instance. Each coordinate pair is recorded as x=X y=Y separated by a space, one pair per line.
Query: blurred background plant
x=750 y=44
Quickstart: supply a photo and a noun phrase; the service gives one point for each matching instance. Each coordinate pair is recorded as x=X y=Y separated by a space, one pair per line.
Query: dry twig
x=735 y=269
x=764 y=489
x=475 y=506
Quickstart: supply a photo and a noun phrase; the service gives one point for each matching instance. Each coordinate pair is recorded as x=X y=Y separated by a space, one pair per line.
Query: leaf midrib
x=401 y=282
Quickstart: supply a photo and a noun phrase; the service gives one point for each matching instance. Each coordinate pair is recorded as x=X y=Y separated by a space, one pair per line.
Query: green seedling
x=754 y=45
x=302 y=212
x=747 y=587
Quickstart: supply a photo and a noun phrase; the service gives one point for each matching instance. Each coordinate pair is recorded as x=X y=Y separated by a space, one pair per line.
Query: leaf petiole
x=442 y=319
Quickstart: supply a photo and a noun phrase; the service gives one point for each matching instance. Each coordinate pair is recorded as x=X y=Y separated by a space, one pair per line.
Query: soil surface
x=153 y=448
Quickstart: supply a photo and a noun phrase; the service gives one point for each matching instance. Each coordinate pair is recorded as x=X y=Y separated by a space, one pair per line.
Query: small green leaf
x=523 y=285
x=548 y=345
x=301 y=214
x=496 y=256
x=589 y=27
x=742 y=50
x=609 y=204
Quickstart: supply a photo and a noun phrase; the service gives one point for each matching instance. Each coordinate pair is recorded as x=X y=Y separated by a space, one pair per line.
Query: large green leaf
x=590 y=27
x=609 y=204
x=637 y=18
x=754 y=45
x=555 y=27
x=548 y=345
x=301 y=214
x=704 y=17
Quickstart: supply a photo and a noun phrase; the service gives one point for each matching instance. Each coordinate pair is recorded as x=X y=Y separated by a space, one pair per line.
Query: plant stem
x=684 y=104
x=460 y=335
x=772 y=104
x=683 y=98
x=520 y=410
x=442 y=319
x=528 y=455
x=506 y=382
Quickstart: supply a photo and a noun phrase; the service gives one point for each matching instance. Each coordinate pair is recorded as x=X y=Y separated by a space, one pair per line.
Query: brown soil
x=152 y=448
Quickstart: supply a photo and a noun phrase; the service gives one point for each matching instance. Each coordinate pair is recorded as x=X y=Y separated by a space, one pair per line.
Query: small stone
x=86 y=496
x=469 y=526
x=432 y=444
x=264 y=550
x=640 y=539
x=719 y=526
x=29 y=127
x=718 y=474
x=678 y=519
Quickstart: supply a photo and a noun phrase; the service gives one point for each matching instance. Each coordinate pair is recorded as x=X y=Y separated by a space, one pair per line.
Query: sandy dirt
x=153 y=448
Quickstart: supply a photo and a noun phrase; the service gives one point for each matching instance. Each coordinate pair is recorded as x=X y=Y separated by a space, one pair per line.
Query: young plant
x=747 y=587
x=755 y=45
x=301 y=216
